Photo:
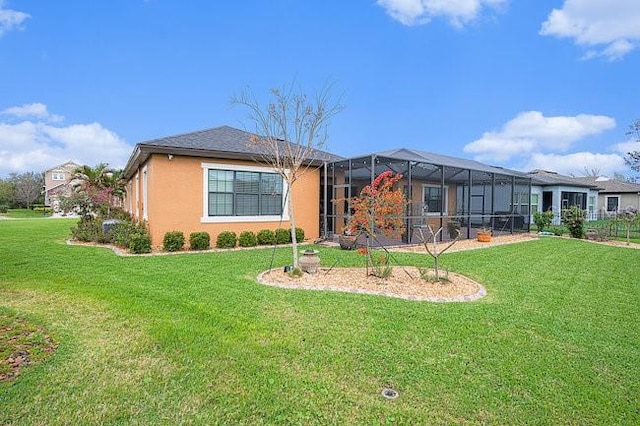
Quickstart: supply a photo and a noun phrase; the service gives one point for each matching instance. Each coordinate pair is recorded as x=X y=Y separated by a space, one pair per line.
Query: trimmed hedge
x=299 y=235
x=283 y=236
x=173 y=241
x=247 y=239
x=226 y=239
x=199 y=241
x=140 y=243
x=266 y=237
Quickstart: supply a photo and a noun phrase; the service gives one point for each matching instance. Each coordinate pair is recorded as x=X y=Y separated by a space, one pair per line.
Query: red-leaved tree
x=379 y=207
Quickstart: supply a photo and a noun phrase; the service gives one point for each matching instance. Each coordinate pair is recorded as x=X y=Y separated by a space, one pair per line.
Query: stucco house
x=216 y=180
x=58 y=182
x=614 y=195
x=556 y=192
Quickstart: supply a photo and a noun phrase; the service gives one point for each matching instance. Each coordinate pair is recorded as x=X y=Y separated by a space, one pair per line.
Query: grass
x=25 y=214
x=194 y=339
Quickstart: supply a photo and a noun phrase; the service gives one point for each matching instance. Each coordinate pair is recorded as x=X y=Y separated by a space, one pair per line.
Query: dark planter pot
x=347 y=242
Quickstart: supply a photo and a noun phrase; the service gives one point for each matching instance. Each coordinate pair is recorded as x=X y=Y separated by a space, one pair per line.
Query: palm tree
x=102 y=184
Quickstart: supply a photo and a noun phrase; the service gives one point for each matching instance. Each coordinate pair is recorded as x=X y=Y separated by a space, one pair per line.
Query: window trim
x=606 y=203
x=205 y=218
x=445 y=199
x=58 y=176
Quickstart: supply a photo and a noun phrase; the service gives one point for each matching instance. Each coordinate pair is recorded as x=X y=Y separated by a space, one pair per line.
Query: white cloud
x=35 y=110
x=36 y=145
x=531 y=131
x=459 y=12
x=628 y=146
x=576 y=163
x=11 y=19
x=608 y=28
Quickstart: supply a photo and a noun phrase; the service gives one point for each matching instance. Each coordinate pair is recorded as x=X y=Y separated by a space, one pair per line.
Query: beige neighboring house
x=614 y=195
x=57 y=182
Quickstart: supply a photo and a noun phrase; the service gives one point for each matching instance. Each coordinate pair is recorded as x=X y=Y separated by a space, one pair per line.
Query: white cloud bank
x=459 y=12
x=32 y=139
x=606 y=28
x=11 y=19
x=533 y=141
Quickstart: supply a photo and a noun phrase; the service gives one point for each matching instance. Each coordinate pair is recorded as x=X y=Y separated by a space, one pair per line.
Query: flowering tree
x=379 y=207
x=96 y=190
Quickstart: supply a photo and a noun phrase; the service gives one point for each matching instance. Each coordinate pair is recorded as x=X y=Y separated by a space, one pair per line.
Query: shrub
x=140 y=243
x=199 y=241
x=543 y=220
x=558 y=230
x=283 y=236
x=4 y=208
x=121 y=233
x=266 y=237
x=299 y=235
x=226 y=239
x=247 y=239
x=173 y=241
x=88 y=230
x=574 y=218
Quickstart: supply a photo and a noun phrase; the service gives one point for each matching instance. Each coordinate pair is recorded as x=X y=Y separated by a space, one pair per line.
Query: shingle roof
x=223 y=142
x=611 y=185
x=544 y=177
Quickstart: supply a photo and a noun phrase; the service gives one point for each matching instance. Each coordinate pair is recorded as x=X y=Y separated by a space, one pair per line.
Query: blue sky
x=547 y=84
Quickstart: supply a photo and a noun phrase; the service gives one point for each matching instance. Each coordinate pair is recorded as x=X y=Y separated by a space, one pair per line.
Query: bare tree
x=633 y=157
x=291 y=128
x=594 y=172
x=434 y=250
x=28 y=187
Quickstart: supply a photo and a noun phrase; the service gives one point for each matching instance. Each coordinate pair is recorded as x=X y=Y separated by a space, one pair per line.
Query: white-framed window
x=433 y=201
x=521 y=203
x=238 y=193
x=591 y=205
x=612 y=203
x=145 y=195
x=535 y=203
x=57 y=176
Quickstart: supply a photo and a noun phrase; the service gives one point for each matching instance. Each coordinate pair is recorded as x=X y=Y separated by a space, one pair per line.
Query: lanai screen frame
x=505 y=195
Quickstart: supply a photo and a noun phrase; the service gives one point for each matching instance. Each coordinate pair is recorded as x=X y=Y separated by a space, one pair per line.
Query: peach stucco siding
x=175 y=198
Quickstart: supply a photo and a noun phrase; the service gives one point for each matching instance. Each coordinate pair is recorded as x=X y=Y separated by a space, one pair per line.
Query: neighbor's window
x=57 y=176
x=534 y=203
x=244 y=193
x=613 y=204
x=432 y=200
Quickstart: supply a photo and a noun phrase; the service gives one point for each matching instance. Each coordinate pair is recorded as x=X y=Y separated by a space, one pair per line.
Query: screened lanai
x=443 y=191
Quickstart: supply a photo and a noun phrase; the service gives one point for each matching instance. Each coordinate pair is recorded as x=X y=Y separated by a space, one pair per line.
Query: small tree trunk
x=435 y=268
x=294 y=241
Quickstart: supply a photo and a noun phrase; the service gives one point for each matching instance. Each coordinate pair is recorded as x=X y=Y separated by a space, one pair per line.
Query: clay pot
x=484 y=236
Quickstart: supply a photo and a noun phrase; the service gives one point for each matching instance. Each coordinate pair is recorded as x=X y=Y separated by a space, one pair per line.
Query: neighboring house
x=614 y=195
x=57 y=183
x=215 y=180
x=556 y=192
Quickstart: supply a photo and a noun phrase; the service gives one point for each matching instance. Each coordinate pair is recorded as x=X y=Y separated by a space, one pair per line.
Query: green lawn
x=194 y=339
x=24 y=214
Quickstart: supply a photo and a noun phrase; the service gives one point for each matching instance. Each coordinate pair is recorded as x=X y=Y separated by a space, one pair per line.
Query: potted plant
x=453 y=226
x=484 y=234
x=347 y=239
